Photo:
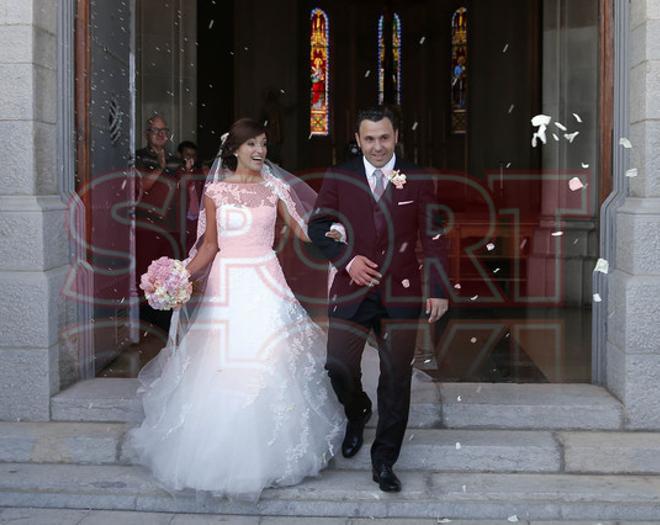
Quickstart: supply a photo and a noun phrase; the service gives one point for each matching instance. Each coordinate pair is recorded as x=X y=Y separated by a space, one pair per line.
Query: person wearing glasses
x=157 y=228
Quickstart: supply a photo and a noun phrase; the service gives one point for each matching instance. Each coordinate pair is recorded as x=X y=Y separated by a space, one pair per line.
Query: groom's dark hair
x=376 y=114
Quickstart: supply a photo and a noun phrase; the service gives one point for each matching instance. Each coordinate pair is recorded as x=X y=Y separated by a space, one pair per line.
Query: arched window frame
x=397 y=57
x=319 y=121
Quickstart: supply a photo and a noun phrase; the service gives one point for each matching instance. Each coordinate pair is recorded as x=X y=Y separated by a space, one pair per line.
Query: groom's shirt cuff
x=348 y=266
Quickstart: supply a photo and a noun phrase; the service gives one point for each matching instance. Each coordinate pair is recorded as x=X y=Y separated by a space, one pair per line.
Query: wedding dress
x=242 y=401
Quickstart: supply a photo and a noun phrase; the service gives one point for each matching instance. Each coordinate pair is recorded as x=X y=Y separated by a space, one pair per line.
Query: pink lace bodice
x=245 y=215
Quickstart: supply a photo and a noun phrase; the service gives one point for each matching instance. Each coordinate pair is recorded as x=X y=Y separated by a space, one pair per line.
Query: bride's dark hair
x=240 y=132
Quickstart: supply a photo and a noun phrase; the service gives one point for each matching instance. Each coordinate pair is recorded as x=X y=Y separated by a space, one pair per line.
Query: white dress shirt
x=386 y=170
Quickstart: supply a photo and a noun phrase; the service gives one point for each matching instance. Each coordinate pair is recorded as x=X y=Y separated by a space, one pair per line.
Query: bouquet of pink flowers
x=166 y=284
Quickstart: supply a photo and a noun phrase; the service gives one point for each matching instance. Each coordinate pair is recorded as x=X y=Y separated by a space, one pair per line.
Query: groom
x=384 y=207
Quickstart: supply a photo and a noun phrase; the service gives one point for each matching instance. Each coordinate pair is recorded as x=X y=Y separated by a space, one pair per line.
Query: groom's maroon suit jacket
x=386 y=232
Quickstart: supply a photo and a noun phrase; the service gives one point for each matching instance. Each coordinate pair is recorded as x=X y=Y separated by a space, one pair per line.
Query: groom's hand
x=363 y=271
x=436 y=308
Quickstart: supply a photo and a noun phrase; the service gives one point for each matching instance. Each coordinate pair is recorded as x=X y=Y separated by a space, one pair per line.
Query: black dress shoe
x=354 y=435
x=386 y=479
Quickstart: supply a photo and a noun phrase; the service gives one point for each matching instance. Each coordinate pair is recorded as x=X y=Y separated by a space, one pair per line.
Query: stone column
x=33 y=243
x=633 y=353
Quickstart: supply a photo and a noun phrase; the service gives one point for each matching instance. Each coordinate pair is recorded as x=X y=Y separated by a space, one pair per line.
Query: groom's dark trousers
x=396 y=347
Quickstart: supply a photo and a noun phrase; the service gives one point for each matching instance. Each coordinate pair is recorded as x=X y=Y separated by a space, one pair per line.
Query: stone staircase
x=472 y=451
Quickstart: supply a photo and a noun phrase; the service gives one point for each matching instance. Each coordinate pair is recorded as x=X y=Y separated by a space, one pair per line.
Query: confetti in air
x=577 y=117
x=523 y=243
x=623 y=141
x=458 y=286
x=597 y=298
x=513 y=519
x=459 y=399
x=414 y=126
x=556 y=137
x=557 y=234
x=458 y=446
x=570 y=137
x=511 y=108
x=585 y=165
x=473 y=340
x=496 y=270
x=436 y=237
x=367 y=73
x=490 y=246
x=123 y=184
x=602 y=265
x=506 y=48
x=561 y=126
x=474 y=298
x=575 y=184
x=405 y=283
x=211 y=23
x=632 y=172
x=541 y=122
x=422 y=40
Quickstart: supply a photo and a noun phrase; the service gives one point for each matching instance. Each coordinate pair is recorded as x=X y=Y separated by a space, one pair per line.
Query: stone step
x=115 y=400
x=340 y=493
x=451 y=450
x=35 y=516
x=434 y=405
x=529 y=406
x=423 y=449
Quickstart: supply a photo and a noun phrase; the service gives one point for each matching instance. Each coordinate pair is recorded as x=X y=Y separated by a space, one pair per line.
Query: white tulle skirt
x=243 y=402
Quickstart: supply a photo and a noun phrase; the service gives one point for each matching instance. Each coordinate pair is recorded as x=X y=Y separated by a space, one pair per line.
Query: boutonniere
x=398 y=179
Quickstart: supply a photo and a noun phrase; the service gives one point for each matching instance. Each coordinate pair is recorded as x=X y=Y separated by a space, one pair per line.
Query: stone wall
x=633 y=355
x=33 y=243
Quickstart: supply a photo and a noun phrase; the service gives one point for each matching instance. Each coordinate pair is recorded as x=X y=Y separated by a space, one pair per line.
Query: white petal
x=623 y=141
x=458 y=286
x=556 y=137
x=422 y=40
x=570 y=137
x=123 y=184
x=473 y=340
x=211 y=23
x=403 y=247
x=414 y=126
x=367 y=73
x=541 y=120
x=506 y=47
x=602 y=265
x=561 y=126
x=427 y=361
x=632 y=172
x=496 y=270
x=490 y=246
x=436 y=237
x=458 y=446
x=411 y=437
x=474 y=298
x=459 y=399
x=513 y=519
x=523 y=243
x=577 y=117
x=585 y=165
x=575 y=184
x=511 y=108
x=405 y=283
x=557 y=233
x=597 y=298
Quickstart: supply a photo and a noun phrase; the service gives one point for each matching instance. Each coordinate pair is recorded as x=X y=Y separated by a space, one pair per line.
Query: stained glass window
x=396 y=58
x=320 y=73
x=459 y=67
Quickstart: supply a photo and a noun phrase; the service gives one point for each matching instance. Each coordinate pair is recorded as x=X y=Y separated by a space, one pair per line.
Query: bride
x=239 y=399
